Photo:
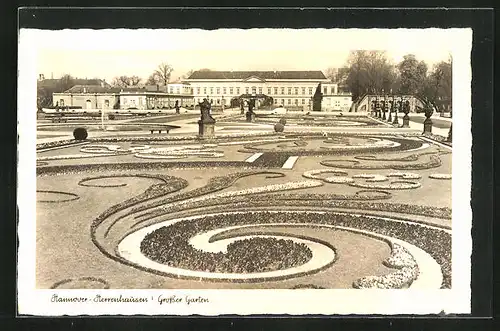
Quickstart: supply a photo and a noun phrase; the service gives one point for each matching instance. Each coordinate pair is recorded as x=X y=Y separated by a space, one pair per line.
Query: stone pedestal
x=428 y=125
x=250 y=116
x=406 y=121
x=316 y=105
x=206 y=129
x=396 y=120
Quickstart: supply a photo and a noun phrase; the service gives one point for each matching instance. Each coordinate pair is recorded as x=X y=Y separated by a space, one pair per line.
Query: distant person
x=177 y=111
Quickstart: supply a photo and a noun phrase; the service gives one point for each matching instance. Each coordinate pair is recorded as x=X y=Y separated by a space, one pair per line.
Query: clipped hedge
x=80 y=134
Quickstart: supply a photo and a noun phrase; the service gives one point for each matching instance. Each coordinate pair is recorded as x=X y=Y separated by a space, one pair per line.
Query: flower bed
x=71 y=156
x=68 y=196
x=437 y=138
x=434 y=162
x=306 y=286
x=404 y=175
x=60 y=143
x=314 y=174
x=254 y=190
x=400 y=259
x=99 y=167
x=440 y=176
x=219 y=137
x=396 y=144
x=396 y=185
x=170 y=185
x=83 y=282
x=169 y=245
x=435 y=242
x=371 y=178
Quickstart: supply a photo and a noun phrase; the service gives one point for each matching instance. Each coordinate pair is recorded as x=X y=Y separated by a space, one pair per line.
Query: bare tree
x=126 y=81
x=134 y=80
x=153 y=79
x=188 y=74
x=163 y=73
x=65 y=83
x=331 y=73
x=120 y=81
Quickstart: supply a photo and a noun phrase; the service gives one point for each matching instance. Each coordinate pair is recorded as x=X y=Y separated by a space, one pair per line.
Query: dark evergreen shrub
x=278 y=127
x=80 y=133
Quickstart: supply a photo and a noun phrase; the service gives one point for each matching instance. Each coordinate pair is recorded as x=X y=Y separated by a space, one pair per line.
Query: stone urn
x=406 y=118
x=428 y=120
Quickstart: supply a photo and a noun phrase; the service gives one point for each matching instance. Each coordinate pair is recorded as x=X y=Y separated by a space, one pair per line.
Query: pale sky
x=109 y=53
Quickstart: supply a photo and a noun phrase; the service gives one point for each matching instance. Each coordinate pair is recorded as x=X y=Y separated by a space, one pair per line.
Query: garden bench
x=159 y=130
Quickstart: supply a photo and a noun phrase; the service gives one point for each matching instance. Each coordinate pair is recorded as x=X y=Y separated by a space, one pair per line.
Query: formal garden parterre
x=250 y=209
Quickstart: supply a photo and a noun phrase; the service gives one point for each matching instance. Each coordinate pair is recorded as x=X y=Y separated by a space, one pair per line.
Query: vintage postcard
x=259 y=171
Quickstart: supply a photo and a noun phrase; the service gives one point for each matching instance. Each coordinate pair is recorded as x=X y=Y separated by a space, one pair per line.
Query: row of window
x=276 y=101
x=177 y=90
x=260 y=90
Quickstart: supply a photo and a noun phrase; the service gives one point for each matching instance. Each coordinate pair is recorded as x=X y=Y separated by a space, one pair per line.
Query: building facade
x=136 y=98
x=289 y=89
x=87 y=97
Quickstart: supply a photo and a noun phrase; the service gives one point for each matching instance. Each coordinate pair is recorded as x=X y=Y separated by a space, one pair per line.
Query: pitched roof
x=92 y=89
x=53 y=83
x=260 y=74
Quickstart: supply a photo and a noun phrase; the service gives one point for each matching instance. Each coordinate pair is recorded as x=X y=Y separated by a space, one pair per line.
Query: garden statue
x=405 y=105
x=206 y=124
x=205 y=107
x=177 y=107
x=317 y=97
x=428 y=111
x=374 y=108
x=390 y=107
x=250 y=114
x=384 y=109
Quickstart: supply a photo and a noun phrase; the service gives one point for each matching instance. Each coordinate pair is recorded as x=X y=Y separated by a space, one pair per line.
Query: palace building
x=288 y=89
x=292 y=90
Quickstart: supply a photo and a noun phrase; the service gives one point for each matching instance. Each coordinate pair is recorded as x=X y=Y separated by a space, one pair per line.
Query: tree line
x=371 y=72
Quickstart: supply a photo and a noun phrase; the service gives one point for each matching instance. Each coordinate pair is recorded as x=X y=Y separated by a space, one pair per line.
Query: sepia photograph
x=230 y=171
